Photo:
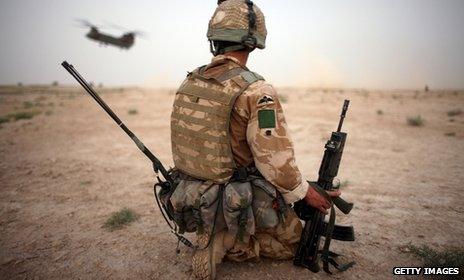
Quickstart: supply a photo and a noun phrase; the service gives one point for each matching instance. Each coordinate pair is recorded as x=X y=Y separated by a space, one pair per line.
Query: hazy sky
x=375 y=44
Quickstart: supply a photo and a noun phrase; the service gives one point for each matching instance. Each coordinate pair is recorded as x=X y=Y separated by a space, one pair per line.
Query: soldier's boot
x=204 y=260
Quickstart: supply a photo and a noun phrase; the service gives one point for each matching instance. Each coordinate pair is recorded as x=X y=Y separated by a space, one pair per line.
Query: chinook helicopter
x=125 y=41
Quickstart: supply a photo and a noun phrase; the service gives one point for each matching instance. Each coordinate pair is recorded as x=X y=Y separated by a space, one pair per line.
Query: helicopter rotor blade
x=85 y=23
x=138 y=33
x=115 y=26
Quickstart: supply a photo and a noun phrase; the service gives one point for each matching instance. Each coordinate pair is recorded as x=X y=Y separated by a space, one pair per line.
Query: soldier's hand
x=316 y=200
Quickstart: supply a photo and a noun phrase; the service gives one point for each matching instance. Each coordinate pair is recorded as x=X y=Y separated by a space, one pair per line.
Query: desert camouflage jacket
x=259 y=134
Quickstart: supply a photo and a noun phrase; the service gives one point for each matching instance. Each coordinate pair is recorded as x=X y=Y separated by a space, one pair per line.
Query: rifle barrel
x=343 y=114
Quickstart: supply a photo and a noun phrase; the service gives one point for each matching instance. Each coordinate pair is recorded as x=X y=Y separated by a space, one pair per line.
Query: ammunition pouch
x=264 y=203
x=194 y=203
x=165 y=193
x=238 y=214
x=248 y=202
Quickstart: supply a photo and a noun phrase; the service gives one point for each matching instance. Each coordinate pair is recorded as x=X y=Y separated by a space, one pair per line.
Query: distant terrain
x=66 y=167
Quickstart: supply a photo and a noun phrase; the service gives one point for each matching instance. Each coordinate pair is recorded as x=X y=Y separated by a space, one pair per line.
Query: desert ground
x=66 y=167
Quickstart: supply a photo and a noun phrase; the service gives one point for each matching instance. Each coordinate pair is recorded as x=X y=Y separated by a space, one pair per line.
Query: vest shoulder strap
x=230 y=74
x=251 y=77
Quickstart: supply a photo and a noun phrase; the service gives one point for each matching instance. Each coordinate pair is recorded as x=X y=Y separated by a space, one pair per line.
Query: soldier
x=227 y=125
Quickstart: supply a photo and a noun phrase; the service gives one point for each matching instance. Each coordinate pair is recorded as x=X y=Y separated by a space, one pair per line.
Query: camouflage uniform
x=271 y=151
x=226 y=118
x=269 y=148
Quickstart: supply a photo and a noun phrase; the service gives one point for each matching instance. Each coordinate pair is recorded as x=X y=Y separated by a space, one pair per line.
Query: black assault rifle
x=167 y=184
x=308 y=252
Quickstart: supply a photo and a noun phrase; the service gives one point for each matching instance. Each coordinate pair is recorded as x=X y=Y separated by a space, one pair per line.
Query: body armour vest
x=200 y=120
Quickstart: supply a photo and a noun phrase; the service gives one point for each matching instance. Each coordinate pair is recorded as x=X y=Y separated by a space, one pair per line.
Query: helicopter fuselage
x=125 y=41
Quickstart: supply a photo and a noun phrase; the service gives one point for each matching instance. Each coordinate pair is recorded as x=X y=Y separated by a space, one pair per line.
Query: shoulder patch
x=267 y=118
x=265 y=100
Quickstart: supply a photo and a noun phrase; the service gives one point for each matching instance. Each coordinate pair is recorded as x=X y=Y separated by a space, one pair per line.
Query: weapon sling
x=327 y=255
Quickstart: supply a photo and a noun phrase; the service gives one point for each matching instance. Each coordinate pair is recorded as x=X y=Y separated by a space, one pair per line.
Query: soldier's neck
x=241 y=56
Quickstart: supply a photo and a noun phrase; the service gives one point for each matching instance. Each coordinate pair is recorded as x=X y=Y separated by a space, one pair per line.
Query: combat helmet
x=236 y=25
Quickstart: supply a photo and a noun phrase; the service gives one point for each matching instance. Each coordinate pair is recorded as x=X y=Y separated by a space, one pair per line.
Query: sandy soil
x=65 y=171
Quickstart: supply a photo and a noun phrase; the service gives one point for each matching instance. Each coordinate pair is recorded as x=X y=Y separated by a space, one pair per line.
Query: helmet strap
x=216 y=50
x=249 y=41
x=211 y=48
x=251 y=16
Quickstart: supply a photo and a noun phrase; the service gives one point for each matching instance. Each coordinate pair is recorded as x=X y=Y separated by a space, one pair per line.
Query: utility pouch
x=195 y=205
x=210 y=209
x=238 y=213
x=164 y=194
x=183 y=201
x=264 y=198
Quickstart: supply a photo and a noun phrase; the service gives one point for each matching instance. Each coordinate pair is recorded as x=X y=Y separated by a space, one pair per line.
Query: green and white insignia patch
x=267 y=118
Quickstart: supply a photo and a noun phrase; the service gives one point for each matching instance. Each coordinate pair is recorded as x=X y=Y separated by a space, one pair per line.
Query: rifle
x=307 y=254
x=166 y=185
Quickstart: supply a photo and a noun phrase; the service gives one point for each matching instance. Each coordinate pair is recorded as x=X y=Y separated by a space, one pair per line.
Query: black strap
x=328 y=239
x=251 y=16
x=326 y=255
x=240 y=175
x=249 y=40
x=339 y=267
